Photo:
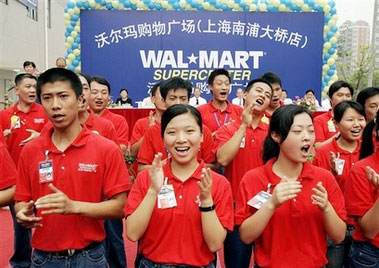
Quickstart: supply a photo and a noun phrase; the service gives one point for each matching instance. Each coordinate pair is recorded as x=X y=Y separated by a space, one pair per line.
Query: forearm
x=319 y=144
x=369 y=222
x=135 y=147
x=335 y=227
x=123 y=148
x=253 y=226
x=226 y=152
x=138 y=221
x=213 y=231
x=6 y=196
x=143 y=167
x=108 y=209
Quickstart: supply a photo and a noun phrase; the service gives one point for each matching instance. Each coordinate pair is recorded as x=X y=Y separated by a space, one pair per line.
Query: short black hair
x=178 y=109
x=124 y=89
x=86 y=77
x=337 y=85
x=367 y=93
x=27 y=63
x=18 y=79
x=155 y=88
x=272 y=78
x=368 y=147
x=101 y=81
x=175 y=83
x=341 y=108
x=259 y=80
x=59 y=75
x=309 y=90
x=217 y=72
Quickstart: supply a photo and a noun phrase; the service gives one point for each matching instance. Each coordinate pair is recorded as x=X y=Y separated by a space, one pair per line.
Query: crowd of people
x=262 y=180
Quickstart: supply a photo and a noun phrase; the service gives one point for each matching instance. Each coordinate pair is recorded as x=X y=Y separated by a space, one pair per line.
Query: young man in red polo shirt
x=173 y=91
x=325 y=129
x=8 y=176
x=71 y=177
x=238 y=148
x=100 y=96
x=22 y=123
x=219 y=110
x=276 y=102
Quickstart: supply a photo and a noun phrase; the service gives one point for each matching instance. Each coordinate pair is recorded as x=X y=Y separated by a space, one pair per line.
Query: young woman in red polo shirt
x=362 y=203
x=179 y=210
x=339 y=156
x=288 y=206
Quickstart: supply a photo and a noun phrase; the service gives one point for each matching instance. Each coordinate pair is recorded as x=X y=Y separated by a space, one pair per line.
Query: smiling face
x=220 y=88
x=351 y=125
x=260 y=96
x=340 y=95
x=26 y=91
x=99 y=97
x=299 y=141
x=60 y=103
x=182 y=138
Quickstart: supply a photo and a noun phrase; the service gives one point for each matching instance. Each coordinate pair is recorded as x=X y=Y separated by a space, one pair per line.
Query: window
x=32 y=13
x=4 y=2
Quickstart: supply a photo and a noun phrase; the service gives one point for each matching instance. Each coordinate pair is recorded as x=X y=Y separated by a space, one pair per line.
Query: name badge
x=331 y=126
x=45 y=171
x=166 y=196
x=340 y=163
x=242 y=144
x=15 y=121
x=260 y=199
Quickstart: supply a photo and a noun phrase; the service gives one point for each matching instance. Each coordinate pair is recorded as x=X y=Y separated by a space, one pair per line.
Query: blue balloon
x=109 y=6
x=212 y=2
x=70 y=28
x=270 y=7
x=75 y=17
x=330 y=72
x=176 y=5
x=71 y=68
x=326 y=78
x=334 y=29
x=224 y=7
x=98 y=1
x=65 y=10
x=78 y=58
x=237 y=1
x=217 y=5
x=246 y=8
x=127 y=4
x=75 y=62
x=75 y=45
x=133 y=7
x=318 y=8
x=73 y=23
x=327 y=18
x=103 y=3
x=67 y=34
x=79 y=4
x=332 y=4
x=70 y=5
x=200 y=7
x=77 y=39
x=331 y=51
x=69 y=51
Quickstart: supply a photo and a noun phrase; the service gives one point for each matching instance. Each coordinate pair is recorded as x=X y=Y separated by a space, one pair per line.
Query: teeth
x=259 y=102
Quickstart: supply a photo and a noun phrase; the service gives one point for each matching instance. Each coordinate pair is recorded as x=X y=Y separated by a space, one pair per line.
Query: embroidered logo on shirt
x=87 y=167
x=39 y=120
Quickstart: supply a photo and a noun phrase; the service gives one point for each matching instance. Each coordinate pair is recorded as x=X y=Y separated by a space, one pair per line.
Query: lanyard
x=217 y=121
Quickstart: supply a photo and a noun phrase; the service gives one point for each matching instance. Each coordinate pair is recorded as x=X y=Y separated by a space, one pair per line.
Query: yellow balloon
x=77 y=69
x=140 y=5
x=206 y=5
x=276 y=3
x=69 y=62
x=66 y=45
x=305 y=8
x=326 y=29
x=74 y=34
x=92 y=3
x=331 y=23
x=335 y=76
x=182 y=3
x=66 y=16
x=333 y=40
x=335 y=17
x=327 y=45
x=331 y=61
x=248 y=2
x=337 y=34
x=71 y=12
x=134 y=2
x=325 y=67
x=67 y=22
x=326 y=9
x=282 y=8
x=70 y=39
x=71 y=56
x=77 y=10
x=253 y=7
x=76 y=52
x=200 y=1
x=262 y=7
x=77 y=29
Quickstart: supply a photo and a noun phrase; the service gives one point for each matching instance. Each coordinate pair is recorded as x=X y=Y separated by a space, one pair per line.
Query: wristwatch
x=206 y=209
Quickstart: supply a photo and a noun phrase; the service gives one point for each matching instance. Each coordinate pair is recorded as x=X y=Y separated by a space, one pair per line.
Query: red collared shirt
x=174 y=235
x=324 y=126
x=120 y=124
x=102 y=126
x=91 y=169
x=34 y=119
x=295 y=235
x=214 y=118
x=361 y=195
x=8 y=171
x=153 y=143
x=249 y=155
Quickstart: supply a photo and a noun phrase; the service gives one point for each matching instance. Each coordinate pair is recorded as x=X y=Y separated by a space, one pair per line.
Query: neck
x=83 y=116
x=24 y=107
x=256 y=120
x=99 y=113
x=63 y=137
x=183 y=172
x=220 y=104
x=346 y=145
x=124 y=99
x=285 y=168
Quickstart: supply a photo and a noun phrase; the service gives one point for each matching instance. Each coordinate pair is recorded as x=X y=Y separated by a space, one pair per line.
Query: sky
x=355 y=10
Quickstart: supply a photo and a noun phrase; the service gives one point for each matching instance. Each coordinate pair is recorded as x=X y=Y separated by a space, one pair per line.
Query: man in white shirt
x=196 y=100
x=239 y=100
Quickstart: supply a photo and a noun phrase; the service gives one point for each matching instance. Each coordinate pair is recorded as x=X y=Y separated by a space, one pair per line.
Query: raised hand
x=151 y=119
x=333 y=163
x=320 y=196
x=247 y=116
x=284 y=191
x=33 y=134
x=372 y=176
x=156 y=174
x=205 y=187
x=55 y=203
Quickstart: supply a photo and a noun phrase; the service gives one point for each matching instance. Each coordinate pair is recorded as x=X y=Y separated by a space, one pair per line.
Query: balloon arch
x=329 y=74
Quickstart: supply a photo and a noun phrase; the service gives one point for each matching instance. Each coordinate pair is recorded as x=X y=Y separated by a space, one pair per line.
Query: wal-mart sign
x=136 y=49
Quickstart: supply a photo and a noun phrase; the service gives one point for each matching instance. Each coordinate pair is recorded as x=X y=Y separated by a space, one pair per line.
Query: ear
x=16 y=89
x=275 y=137
x=80 y=99
x=244 y=95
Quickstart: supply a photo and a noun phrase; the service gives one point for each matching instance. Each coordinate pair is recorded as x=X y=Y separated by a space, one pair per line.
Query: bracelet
x=206 y=209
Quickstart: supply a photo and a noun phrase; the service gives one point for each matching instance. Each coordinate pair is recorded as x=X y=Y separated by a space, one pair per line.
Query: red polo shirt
x=120 y=125
x=153 y=143
x=101 y=125
x=174 y=235
x=2 y=139
x=324 y=126
x=91 y=169
x=295 y=235
x=248 y=157
x=8 y=171
x=140 y=128
x=34 y=119
x=361 y=195
x=214 y=118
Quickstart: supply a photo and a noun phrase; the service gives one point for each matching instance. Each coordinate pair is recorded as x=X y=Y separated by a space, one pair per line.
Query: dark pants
x=236 y=253
x=363 y=255
x=146 y=263
x=114 y=244
x=22 y=248
x=338 y=254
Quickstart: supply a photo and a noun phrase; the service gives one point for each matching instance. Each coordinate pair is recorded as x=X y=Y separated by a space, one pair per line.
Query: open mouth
x=356 y=132
x=58 y=117
x=305 y=149
x=275 y=99
x=98 y=102
x=182 y=150
x=259 y=101
x=224 y=94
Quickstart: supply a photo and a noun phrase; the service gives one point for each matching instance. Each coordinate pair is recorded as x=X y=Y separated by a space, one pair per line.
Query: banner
x=136 y=49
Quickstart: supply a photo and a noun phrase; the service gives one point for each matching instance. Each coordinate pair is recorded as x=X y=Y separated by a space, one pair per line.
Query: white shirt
x=288 y=101
x=146 y=103
x=238 y=101
x=193 y=102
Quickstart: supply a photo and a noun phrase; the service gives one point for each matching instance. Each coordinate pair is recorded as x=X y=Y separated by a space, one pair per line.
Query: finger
x=48 y=198
x=317 y=192
x=52 y=211
x=321 y=187
x=49 y=205
x=53 y=188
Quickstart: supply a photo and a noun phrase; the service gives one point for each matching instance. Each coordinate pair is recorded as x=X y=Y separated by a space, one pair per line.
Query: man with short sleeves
x=219 y=110
x=22 y=123
x=71 y=177
x=8 y=175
